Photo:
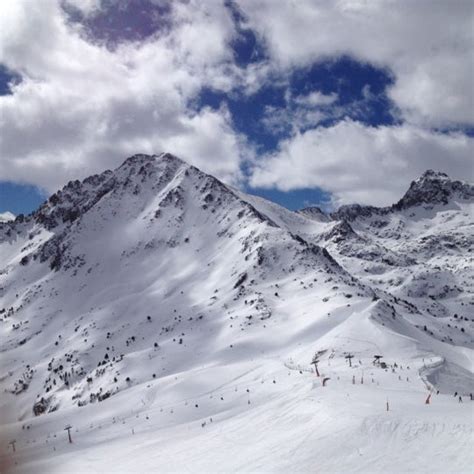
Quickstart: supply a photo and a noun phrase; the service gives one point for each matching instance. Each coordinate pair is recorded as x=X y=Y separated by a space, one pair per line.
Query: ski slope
x=292 y=425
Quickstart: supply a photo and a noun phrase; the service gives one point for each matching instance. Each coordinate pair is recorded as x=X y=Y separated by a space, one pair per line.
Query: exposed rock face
x=353 y=211
x=40 y=407
x=342 y=231
x=316 y=213
x=434 y=188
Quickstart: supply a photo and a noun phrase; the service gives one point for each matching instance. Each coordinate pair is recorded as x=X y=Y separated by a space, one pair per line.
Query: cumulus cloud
x=427 y=46
x=86 y=101
x=82 y=107
x=357 y=163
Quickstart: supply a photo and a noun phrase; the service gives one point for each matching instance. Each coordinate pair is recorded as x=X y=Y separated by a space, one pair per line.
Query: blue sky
x=20 y=198
x=310 y=104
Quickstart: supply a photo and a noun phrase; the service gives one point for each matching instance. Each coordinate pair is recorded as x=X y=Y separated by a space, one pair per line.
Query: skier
x=460 y=399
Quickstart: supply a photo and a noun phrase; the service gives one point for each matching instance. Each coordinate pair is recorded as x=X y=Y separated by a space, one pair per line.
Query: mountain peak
x=7 y=216
x=135 y=173
x=434 y=187
x=430 y=189
x=140 y=164
x=431 y=174
x=143 y=158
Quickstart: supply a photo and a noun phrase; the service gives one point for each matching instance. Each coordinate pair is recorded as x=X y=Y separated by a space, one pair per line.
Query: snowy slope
x=167 y=316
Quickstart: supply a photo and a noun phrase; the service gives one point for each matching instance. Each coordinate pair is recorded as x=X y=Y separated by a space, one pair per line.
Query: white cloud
x=428 y=45
x=369 y=165
x=428 y=48
x=82 y=108
x=315 y=99
x=301 y=112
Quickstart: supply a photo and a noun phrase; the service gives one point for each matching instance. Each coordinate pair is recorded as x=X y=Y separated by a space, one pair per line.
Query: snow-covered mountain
x=421 y=249
x=155 y=303
x=7 y=216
